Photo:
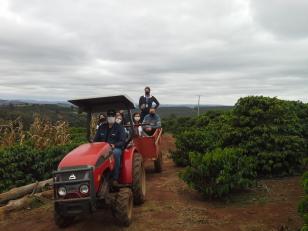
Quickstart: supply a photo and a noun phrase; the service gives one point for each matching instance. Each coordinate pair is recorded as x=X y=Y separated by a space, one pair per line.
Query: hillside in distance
x=10 y=110
x=179 y=110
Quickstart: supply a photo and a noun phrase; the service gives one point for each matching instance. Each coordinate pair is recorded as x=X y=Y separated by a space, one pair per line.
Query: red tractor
x=82 y=182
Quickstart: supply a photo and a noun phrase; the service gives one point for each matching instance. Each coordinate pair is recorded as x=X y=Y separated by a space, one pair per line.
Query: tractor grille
x=72 y=179
x=71 y=176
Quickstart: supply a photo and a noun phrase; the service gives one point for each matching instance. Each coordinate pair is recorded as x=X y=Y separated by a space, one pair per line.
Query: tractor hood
x=85 y=155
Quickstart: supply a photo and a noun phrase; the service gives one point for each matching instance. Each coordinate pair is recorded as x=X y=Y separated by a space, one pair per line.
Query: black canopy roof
x=100 y=104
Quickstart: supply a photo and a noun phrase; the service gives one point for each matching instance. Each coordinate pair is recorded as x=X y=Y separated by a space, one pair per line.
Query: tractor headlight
x=84 y=189
x=62 y=191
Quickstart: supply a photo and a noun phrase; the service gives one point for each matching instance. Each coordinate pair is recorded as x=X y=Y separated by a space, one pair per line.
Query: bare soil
x=171 y=205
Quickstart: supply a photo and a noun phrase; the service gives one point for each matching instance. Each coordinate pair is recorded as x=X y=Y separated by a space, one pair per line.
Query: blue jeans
x=117 y=156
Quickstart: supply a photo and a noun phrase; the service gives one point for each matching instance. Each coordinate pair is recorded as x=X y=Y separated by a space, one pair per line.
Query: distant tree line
x=50 y=112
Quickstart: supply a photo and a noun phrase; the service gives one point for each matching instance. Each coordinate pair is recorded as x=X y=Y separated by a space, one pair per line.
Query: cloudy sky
x=220 y=49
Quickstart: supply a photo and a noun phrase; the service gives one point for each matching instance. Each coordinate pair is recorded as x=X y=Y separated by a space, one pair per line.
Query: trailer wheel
x=122 y=208
x=158 y=163
x=63 y=221
x=139 y=182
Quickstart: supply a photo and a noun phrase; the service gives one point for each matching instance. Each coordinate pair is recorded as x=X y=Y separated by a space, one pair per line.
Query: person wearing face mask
x=146 y=102
x=101 y=120
x=137 y=118
x=152 y=122
x=137 y=123
x=125 y=119
x=114 y=134
x=119 y=119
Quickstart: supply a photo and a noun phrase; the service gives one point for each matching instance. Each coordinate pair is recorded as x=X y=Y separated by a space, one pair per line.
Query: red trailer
x=149 y=147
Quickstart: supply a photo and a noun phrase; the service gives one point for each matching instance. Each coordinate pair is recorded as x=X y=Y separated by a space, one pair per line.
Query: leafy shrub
x=176 y=125
x=210 y=130
x=304 y=228
x=188 y=141
x=219 y=172
x=272 y=132
x=78 y=135
x=28 y=156
x=23 y=164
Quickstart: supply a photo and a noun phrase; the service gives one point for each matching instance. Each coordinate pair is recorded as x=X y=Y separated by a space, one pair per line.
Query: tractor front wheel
x=139 y=182
x=122 y=208
x=158 y=163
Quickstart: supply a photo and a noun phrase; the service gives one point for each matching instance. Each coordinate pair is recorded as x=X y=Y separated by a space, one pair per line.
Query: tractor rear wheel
x=122 y=208
x=139 y=182
x=63 y=221
x=158 y=163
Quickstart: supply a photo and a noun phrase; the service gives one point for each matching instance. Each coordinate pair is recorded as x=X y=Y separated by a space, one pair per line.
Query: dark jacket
x=148 y=103
x=116 y=135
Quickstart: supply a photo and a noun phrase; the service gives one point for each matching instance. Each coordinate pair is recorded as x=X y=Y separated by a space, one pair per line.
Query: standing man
x=114 y=134
x=146 y=102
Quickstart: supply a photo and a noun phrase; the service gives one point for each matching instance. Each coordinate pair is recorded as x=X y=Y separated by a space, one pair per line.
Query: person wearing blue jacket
x=114 y=134
x=151 y=122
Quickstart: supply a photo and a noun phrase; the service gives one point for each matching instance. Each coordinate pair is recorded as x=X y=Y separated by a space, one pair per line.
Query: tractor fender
x=101 y=168
x=126 y=175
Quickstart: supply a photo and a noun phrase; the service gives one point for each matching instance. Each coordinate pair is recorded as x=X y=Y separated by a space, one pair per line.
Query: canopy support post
x=88 y=126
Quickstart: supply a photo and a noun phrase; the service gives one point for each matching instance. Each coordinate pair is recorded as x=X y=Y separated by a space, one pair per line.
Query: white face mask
x=111 y=120
x=137 y=118
x=118 y=120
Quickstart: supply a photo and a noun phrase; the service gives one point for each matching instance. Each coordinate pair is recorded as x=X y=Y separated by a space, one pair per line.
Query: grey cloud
x=286 y=18
x=219 y=49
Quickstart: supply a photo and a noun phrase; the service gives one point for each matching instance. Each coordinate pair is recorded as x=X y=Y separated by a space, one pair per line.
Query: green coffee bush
x=206 y=136
x=23 y=164
x=267 y=134
x=272 y=131
x=192 y=140
x=219 y=172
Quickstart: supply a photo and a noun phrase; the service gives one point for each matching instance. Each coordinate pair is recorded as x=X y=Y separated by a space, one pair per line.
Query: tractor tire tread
x=120 y=207
x=138 y=167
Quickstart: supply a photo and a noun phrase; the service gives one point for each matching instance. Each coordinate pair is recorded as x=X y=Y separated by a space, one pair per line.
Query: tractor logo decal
x=72 y=177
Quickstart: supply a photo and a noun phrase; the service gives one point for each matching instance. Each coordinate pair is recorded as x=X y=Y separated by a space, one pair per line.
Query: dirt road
x=171 y=205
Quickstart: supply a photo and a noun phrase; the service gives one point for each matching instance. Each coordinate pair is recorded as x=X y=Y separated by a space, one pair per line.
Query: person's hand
x=142 y=106
x=112 y=145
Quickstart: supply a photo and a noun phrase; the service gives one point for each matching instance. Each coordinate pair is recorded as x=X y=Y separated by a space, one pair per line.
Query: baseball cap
x=111 y=112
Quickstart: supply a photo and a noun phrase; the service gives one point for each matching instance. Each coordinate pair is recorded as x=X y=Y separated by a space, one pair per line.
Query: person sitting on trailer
x=137 y=123
x=151 y=122
x=114 y=134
